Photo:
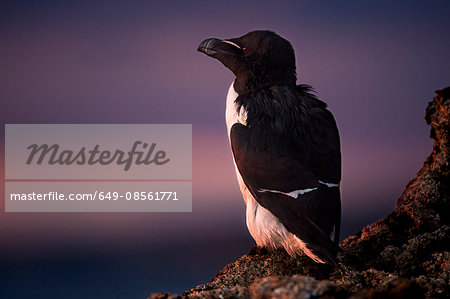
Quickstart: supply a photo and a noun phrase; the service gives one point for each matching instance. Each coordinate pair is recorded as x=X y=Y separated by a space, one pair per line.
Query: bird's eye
x=244 y=49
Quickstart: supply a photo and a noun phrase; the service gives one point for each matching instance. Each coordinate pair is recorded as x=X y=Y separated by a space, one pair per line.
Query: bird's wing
x=324 y=138
x=325 y=160
x=272 y=177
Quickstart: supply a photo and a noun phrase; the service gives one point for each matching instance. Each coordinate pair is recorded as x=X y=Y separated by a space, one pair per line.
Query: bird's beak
x=207 y=46
x=226 y=51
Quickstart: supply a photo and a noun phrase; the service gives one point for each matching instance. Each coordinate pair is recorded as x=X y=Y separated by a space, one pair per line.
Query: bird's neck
x=250 y=84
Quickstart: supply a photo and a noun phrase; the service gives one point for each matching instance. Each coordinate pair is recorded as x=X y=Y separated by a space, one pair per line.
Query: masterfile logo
x=94 y=156
x=96 y=168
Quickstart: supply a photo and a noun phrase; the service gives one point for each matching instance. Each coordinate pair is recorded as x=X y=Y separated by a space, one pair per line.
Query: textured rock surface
x=405 y=255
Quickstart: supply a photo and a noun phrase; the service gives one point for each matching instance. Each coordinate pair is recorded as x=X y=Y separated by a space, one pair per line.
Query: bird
x=286 y=147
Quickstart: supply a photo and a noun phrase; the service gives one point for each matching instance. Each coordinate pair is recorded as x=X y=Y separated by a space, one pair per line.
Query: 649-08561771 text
x=98 y=195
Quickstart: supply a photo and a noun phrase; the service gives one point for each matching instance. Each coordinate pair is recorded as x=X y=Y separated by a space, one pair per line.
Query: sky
x=376 y=65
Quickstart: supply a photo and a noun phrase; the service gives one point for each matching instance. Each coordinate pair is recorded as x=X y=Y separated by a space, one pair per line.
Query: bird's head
x=258 y=59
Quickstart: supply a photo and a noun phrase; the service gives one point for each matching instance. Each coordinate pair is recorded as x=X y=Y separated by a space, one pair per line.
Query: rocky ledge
x=405 y=255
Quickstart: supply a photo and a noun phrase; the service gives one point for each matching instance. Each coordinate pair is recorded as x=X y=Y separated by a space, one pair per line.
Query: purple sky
x=375 y=64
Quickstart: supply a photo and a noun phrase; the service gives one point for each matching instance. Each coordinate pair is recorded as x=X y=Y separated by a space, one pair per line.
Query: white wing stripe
x=329 y=184
x=296 y=193
x=293 y=194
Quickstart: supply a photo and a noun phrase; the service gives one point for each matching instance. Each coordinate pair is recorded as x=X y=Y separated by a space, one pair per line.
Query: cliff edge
x=405 y=255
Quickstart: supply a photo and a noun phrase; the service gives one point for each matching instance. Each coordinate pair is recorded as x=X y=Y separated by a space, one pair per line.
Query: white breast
x=231 y=115
x=264 y=227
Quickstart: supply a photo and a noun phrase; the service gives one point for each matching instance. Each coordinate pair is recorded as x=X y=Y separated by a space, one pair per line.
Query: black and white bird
x=285 y=145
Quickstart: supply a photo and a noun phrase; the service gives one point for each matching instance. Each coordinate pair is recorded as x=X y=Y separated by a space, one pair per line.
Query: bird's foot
x=257 y=250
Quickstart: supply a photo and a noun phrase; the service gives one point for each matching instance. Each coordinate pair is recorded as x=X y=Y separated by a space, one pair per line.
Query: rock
x=163 y=296
x=295 y=287
x=413 y=241
x=405 y=255
x=396 y=288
